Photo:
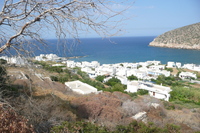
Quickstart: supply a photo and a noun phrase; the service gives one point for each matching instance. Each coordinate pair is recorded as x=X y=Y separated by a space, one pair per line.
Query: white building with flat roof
x=105 y=70
x=187 y=75
x=80 y=87
x=153 y=62
x=157 y=91
x=193 y=67
x=157 y=67
x=171 y=64
x=178 y=64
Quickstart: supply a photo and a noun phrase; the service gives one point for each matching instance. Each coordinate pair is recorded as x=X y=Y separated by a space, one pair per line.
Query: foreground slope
x=187 y=37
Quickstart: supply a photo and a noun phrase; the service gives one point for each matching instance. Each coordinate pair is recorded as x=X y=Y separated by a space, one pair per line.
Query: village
x=144 y=71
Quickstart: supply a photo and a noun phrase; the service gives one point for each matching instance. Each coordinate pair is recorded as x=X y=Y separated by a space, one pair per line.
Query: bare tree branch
x=25 y=20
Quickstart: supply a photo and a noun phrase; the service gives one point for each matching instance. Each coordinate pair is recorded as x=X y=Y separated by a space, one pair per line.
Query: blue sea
x=122 y=49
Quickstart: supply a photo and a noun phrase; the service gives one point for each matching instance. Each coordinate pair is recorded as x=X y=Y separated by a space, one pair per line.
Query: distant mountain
x=187 y=37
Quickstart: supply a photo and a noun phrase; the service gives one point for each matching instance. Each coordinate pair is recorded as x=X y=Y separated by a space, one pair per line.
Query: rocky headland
x=187 y=37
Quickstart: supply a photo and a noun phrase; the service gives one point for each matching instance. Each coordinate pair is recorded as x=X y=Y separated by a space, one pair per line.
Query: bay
x=131 y=49
x=119 y=50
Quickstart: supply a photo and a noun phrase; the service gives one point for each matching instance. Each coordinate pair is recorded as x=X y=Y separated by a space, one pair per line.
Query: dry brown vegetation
x=51 y=103
x=11 y=122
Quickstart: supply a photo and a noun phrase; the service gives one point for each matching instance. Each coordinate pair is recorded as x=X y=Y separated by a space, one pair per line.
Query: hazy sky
x=154 y=17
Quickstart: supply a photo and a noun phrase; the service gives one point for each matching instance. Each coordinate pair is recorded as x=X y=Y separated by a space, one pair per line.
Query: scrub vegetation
x=60 y=110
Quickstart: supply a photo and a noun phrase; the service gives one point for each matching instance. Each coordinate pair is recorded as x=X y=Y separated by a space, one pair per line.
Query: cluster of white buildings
x=142 y=70
x=193 y=67
x=17 y=60
x=48 y=57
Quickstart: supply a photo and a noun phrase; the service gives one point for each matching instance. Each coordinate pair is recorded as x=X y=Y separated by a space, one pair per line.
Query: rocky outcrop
x=187 y=37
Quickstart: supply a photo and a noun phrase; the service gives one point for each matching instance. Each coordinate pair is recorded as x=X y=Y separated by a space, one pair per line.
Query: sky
x=154 y=17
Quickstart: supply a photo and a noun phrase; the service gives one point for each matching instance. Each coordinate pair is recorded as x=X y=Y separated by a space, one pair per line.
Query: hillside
x=42 y=105
x=187 y=37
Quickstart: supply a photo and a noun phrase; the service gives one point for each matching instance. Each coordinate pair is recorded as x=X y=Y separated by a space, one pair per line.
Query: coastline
x=175 y=46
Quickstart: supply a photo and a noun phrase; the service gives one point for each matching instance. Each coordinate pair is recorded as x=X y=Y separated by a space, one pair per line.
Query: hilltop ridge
x=187 y=37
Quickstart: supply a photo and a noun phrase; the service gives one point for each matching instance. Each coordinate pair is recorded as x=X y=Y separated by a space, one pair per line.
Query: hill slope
x=187 y=37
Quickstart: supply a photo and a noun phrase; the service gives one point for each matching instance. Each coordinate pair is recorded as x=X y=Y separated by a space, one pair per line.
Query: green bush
x=54 y=78
x=169 y=69
x=185 y=94
x=118 y=87
x=133 y=127
x=2 y=61
x=132 y=77
x=100 y=78
x=112 y=81
x=168 y=81
x=142 y=92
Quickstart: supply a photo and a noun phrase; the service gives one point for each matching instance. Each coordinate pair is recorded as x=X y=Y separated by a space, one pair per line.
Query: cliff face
x=187 y=37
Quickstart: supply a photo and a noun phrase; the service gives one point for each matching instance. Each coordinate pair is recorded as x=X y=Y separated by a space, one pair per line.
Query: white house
x=81 y=87
x=121 y=71
x=105 y=70
x=134 y=65
x=143 y=64
x=156 y=73
x=187 y=75
x=71 y=64
x=171 y=64
x=196 y=68
x=188 y=66
x=47 y=57
x=140 y=74
x=153 y=62
x=157 y=91
x=130 y=72
x=20 y=61
x=192 y=67
x=157 y=67
x=132 y=86
x=95 y=64
x=178 y=64
x=89 y=71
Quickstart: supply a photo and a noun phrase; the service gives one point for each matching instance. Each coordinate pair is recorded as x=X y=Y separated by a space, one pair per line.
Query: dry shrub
x=43 y=112
x=104 y=108
x=90 y=110
x=185 y=118
x=132 y=107
x=156 y=115
x=11 y=122
x=111 y=114
x=121 y=95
